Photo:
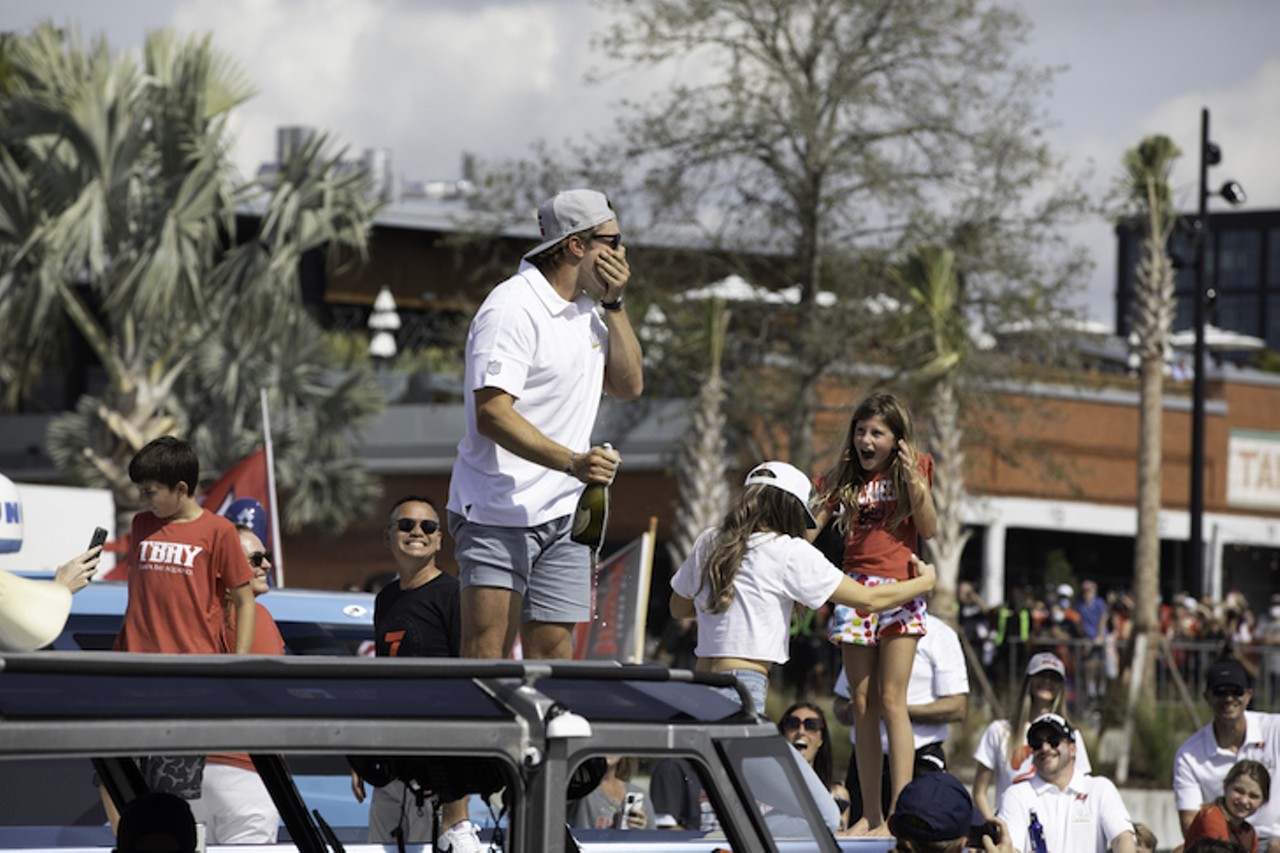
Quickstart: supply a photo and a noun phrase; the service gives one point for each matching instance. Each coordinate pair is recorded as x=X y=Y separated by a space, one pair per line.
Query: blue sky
x=430 y=79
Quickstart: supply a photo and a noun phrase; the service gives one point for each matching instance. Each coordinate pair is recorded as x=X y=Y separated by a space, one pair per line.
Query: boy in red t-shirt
x=181 y=556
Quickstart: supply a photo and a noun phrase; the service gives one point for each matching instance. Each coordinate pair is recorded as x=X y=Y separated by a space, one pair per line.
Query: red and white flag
x=246 y=479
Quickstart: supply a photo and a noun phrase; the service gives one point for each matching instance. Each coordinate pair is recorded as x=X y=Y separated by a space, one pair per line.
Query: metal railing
x=1093 y=670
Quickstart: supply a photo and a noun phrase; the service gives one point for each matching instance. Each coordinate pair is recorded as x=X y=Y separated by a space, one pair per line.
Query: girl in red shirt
x=880 y=487
x=1244 y=791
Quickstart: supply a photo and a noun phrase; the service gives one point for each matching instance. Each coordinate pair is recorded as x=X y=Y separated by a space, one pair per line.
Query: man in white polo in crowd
x=1078 y=813
x=1235 y=733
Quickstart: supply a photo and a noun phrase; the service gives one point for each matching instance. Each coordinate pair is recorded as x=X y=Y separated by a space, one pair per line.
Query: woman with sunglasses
x=1003 y=756
x=266 y=635
x=234 y=805
x=804 y=726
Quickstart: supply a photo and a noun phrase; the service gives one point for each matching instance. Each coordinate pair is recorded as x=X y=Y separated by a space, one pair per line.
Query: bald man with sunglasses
x=416 y=615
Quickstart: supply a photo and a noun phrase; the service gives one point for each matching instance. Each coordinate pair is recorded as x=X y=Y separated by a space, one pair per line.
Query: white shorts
x=234 y=807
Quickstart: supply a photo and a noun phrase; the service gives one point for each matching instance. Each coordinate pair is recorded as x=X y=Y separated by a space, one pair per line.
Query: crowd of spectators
x=1091 y=629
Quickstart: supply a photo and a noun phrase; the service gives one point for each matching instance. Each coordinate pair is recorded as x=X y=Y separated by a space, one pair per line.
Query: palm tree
x=118 y=221
x=935 y=341
x=700 y=471
x=1150 y=201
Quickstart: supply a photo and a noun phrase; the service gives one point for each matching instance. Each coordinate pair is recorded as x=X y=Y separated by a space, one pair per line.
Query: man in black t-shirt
x=416 y=615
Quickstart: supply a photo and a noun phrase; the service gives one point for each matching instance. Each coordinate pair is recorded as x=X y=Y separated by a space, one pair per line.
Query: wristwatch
x=615 y=305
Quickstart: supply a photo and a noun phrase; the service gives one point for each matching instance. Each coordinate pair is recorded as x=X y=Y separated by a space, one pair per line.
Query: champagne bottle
x=1036 y=831
x=592 y=516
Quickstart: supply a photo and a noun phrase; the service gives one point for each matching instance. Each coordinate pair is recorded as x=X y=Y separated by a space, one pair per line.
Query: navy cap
x=248 y=512
x=1227 y=672
x=934 y=807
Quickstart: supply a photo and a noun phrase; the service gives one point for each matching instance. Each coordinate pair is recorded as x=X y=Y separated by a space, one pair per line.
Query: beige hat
x=32 y=612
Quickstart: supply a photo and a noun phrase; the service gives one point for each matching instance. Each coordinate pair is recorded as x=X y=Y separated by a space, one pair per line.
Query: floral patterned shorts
x=867 y=629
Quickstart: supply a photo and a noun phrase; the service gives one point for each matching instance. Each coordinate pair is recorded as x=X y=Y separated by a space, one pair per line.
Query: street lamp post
x=1210 y=155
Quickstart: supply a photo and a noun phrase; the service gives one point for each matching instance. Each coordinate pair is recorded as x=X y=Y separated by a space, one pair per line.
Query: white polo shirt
x=776 y=572
x=939 y=670
x=1201 y=765
x=550 y=355
x=1086 y=816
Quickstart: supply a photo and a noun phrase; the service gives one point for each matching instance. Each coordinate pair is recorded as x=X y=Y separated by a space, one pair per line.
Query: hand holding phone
x=99 y=538
x=632 y=814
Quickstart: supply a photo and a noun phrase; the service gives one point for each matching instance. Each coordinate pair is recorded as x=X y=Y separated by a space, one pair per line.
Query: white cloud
x=431 y=80
x=428 y=81
x=1244 y=121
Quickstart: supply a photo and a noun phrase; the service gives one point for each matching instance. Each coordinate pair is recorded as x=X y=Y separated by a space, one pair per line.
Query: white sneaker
x=462 y=837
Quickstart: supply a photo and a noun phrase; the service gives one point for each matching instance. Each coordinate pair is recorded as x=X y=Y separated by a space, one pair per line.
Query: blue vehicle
x=312 y=622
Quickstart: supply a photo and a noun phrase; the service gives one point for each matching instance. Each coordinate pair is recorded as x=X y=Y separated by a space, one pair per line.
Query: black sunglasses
x=614 y=240
x=1227 y=690
x=257 y=558
x=811 y=724
x=428 y=525
x=1054 y=739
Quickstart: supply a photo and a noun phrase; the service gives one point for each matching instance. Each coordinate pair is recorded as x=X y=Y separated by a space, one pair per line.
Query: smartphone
x=990 y=828
x=99 y=538
x=633 y=801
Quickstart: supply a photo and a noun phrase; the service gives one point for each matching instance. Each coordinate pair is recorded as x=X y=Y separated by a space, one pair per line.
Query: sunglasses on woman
x=257 y=558
x=811 y=724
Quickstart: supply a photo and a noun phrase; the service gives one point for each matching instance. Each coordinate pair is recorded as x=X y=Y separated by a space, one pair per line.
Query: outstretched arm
x=76 y=572
x=889 y=595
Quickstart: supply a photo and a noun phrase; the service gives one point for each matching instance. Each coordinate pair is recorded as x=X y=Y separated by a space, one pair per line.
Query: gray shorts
x=550 y=572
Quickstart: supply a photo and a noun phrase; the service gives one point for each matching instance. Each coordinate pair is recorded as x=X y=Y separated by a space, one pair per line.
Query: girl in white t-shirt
x=1004 y=761
x=743 y=578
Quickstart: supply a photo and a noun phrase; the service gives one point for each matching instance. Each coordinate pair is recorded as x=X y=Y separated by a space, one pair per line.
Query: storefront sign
x=1253 y=470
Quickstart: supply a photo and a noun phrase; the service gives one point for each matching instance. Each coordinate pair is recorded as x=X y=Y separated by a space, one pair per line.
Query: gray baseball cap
x=569 y=212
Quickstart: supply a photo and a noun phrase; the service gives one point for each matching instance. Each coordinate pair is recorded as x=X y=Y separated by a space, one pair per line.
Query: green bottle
x=592 y=515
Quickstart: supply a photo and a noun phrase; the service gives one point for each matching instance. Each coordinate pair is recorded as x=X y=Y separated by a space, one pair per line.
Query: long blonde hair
x=759 y=508
x=1022 y=711
x=848 y=476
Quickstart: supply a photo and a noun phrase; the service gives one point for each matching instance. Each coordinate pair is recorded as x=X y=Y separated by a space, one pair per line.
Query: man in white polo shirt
x=1078 y=813
x=1204 y=758
x=538 y=357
